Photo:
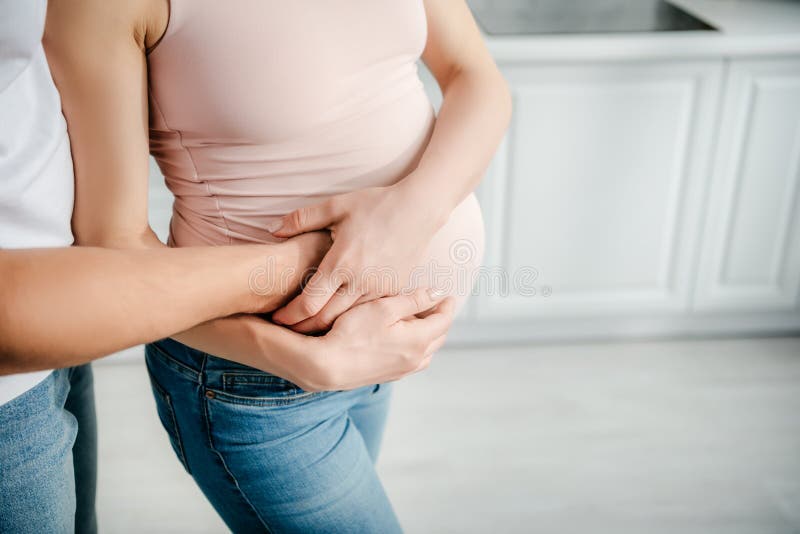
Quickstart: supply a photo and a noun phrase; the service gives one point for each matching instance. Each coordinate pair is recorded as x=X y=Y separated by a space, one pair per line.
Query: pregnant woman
x=270 y=119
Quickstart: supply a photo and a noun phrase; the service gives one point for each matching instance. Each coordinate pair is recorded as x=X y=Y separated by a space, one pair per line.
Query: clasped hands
x=378 y=236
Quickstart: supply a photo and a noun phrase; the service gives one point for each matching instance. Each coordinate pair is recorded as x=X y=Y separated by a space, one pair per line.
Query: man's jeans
x=48 y=456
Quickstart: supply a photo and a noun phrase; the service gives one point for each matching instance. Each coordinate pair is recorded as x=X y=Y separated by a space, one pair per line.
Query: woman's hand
x=378 y=341
x=379 y=235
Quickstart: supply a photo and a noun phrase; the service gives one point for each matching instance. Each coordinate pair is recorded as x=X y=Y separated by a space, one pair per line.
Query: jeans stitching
x=225 y=465
x=183 y=369
x=263 y=402
x=170 y=408
x=178 y=437
x=232 y=378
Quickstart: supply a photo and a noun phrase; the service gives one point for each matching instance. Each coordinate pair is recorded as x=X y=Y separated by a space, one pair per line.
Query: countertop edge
x=640 y=46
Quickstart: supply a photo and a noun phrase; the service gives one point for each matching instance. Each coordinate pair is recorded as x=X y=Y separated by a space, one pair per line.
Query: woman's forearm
x=62 y=307
x=246 y=339
x=250 y=340
x=475 y=111
x=474 y=115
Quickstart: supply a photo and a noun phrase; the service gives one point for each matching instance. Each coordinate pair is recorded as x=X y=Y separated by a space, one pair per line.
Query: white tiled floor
x=657 y=437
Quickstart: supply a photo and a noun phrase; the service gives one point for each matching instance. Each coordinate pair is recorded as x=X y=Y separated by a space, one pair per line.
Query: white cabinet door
x=593 y=203
x=751 y=248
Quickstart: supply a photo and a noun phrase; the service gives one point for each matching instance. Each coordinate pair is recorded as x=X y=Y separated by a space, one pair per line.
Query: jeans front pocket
x=166 y=413
x=256 y=388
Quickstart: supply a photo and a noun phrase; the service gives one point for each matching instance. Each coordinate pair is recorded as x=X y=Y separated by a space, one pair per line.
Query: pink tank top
x=258 y=107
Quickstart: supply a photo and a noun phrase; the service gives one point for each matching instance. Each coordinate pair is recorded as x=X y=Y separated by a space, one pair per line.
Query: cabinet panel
x=598 y=187
x=751 y=254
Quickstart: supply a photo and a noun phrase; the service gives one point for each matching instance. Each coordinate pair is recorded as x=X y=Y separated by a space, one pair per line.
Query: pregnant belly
x=455 y=253
x=449 y=264
x=239 y=190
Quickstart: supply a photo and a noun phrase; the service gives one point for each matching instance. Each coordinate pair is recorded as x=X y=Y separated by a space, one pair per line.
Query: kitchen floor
x=699 y=436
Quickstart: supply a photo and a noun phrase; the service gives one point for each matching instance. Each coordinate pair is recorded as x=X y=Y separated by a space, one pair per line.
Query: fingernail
x=275 y=225
x=435 y=294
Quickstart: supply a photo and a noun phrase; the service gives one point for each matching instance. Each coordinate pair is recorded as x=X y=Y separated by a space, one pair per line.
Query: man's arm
x=62 y=307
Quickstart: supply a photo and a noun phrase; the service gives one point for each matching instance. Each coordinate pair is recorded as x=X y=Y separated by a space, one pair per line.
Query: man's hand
x=281 y=268
x=378 y=341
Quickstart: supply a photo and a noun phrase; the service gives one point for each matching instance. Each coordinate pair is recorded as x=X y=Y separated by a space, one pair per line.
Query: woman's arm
x=374 y=342
x=475 y=112
x=372 y=227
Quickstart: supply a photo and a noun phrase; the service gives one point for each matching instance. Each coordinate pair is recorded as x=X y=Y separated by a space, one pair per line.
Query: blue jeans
x=48 y=456
x=270 y=456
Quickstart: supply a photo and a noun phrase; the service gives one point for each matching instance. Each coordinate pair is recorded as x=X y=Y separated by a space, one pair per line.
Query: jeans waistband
x=199 y=366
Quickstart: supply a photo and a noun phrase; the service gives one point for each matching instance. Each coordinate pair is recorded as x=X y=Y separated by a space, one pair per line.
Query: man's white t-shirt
x=36 y=181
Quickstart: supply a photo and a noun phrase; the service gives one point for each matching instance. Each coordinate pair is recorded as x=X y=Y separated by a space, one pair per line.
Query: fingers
x=437 y=344
x=428 y=358
x=401 y=306
x=423 y=364
x=315 y=217
x=343 y=300
x=434 y=325
x=319 y=290
x=424 y=314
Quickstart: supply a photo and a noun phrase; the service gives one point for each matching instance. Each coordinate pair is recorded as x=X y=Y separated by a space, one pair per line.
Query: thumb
x=306 y=219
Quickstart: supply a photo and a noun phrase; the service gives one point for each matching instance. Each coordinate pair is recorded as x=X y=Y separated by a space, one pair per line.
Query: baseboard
x=466 y=333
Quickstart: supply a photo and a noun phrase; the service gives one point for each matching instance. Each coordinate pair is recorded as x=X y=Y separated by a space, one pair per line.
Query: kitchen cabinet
x=643 y=198
x=649 y=184
x=751 y=255
x=598 y=187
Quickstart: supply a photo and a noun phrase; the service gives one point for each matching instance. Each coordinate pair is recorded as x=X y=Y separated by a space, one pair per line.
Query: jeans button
x=210 y=394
